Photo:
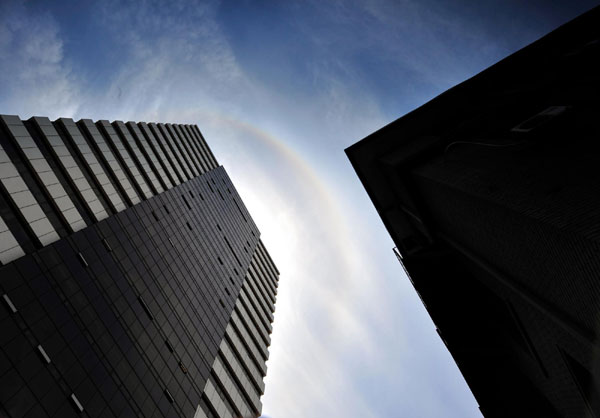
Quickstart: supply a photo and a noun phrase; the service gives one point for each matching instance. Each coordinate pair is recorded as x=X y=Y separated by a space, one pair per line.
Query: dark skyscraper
x=132 y=277
x=491 y=193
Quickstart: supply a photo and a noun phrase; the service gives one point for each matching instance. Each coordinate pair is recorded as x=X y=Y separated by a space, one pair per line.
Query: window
x=9 y=303
x=182 y=367
x=82 y=259
x=186 y=202
x=169 y=396
x=76 y=403
x=232 y=252
x=240 y=210
x=43 y=354
x=106 y=245
x=146 y=308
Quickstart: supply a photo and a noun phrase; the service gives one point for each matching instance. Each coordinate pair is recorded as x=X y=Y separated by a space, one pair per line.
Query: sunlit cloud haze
x=279 y=89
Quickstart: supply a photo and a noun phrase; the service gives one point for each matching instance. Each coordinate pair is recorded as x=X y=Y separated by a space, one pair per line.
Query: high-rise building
x=491 y=193
x=133 y=280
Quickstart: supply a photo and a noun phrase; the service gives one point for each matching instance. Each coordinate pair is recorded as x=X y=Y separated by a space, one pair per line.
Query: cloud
x=34 y=76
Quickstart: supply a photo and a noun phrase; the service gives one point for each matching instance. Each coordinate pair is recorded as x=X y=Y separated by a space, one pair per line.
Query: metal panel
x=113 y=165
x=126 y=159
x=203 y=155
x=252 y=365
x=241 y=375
x=138 y=155
x=171 y=152
x=215 y=400
x=151 y=155
x=190 y=146
x=24 y=200
x=93 y=164
x=9 y=247
x=237 y=399
x=73 y=171
x=161 y=153
x=183 y=147
x=204 y=145
x=47 y=178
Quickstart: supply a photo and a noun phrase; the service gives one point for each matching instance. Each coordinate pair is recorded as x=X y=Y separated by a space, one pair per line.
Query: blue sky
x=279 y=89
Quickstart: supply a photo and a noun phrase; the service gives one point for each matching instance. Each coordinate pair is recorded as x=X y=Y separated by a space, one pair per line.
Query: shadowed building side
x=491 y=193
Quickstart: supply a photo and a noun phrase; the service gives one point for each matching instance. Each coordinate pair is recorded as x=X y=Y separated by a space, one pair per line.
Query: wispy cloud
x=33 y=73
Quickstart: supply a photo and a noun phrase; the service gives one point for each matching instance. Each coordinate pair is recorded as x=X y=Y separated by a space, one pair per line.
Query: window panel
x=181 y=147
x=111 y=161
x=9 y=247
x=168 y=151
x=72 y=169
x=47 y=178
x=126 y=159
x=92 y=162
x=23 y=199
x=139 y=156
x=157 y=148
x=197 y=155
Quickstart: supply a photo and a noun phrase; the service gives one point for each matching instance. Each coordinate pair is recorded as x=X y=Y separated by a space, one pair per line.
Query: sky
x=279 y=90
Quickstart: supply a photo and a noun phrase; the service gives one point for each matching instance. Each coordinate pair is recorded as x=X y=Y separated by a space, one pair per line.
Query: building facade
x=491 y=193
x=133 y=280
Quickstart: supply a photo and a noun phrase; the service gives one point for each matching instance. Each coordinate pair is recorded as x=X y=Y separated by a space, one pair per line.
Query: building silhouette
x=132 y=277
x=491 y=193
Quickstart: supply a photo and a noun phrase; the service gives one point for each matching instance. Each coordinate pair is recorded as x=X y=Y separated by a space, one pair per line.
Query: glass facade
x=149 y=295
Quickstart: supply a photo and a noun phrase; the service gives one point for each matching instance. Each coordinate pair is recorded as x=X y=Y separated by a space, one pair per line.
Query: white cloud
x=34 y=76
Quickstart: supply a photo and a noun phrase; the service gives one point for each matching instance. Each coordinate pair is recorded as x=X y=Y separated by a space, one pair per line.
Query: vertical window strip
x=183 y=149
x=70 y=167
x=195 y=147
x=270 y=277
x=160 y=142
x=190 y=147
x=203 y=143
x=97 y=171
x=46 y=177
x=23 y=199
x=9 y=246
x=139 y=155
x=175 y=147
x=144 y=145
x=157 y=148
x=204 y=158
x=125 y=159
x=113 y=165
